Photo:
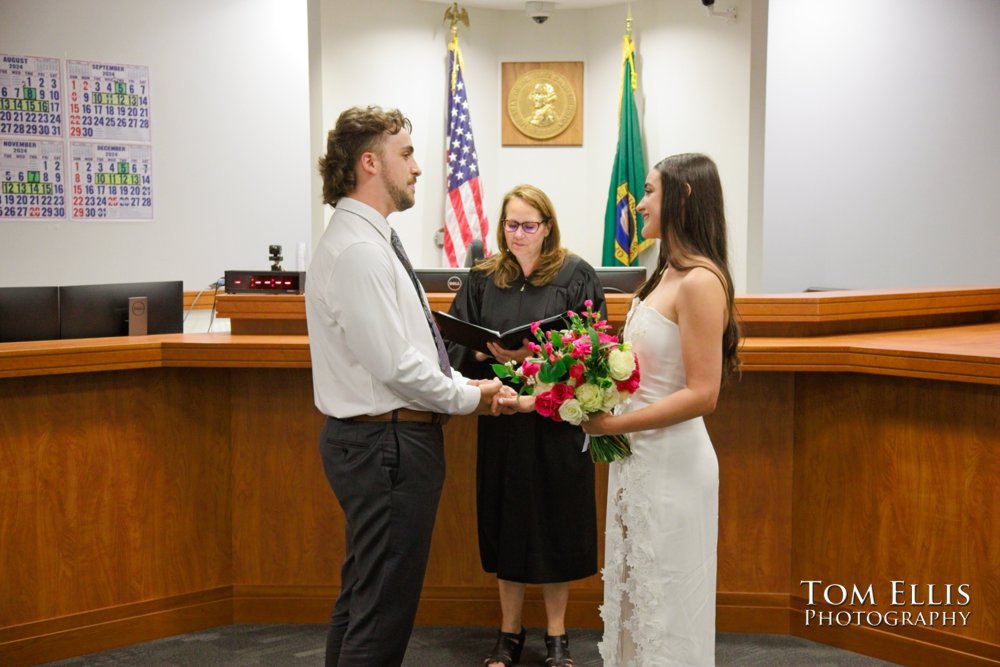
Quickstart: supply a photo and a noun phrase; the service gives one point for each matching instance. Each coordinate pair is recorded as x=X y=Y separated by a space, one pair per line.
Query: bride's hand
x=599 y=423
x=516 y=404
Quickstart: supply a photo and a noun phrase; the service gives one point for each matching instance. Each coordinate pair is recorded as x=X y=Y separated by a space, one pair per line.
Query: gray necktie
x=397 y=246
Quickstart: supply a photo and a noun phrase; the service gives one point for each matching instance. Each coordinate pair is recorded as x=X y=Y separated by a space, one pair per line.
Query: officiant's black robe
x=534 y=485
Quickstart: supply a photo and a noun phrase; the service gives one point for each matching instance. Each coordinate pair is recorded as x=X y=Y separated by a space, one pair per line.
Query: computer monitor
x=442 y=280
x=621 y=279
x=614 y=279
x=29 y=313
x=93 y=311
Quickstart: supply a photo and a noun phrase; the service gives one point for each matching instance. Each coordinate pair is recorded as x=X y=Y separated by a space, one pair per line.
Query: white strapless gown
x=662 y=522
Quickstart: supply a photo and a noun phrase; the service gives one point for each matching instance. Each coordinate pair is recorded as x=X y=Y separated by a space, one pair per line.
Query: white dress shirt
x=372 y=350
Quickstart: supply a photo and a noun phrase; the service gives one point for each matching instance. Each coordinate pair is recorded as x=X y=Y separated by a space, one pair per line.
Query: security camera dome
x=538 y=11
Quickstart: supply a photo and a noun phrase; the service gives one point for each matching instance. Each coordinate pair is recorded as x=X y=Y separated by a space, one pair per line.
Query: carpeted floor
x=303 y=645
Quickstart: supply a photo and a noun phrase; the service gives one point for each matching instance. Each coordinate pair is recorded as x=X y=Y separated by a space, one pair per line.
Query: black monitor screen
x=621 y=279
x=441 y=280
x=93 y=311
x=614 y=279
x=29 y=313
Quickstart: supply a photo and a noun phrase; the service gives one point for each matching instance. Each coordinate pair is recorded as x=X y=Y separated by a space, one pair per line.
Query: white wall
x=694 y=96
x=230 y=137
x=882 y=157
x=878 y=167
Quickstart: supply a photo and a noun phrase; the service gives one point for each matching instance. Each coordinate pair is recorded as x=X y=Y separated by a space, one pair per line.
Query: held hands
x=497 y=399
x=514 y=403
x=490 y=393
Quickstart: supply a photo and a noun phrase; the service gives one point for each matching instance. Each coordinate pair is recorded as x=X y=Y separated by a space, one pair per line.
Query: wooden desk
x=173 y=483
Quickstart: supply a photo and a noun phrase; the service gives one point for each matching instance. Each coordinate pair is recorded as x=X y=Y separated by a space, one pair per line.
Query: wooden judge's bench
x=165 y=484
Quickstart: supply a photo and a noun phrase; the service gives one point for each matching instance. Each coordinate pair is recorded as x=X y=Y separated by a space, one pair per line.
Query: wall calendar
x=78 y=147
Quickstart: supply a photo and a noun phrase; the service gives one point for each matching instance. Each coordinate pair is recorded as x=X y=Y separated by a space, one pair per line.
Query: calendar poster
x=30 y=97
x=108 y=101
x=32 y=184
x=111 y=181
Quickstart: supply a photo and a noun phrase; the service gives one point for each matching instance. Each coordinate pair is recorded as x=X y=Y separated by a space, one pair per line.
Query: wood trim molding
x=785 y=315
x=103 y=629
x=772 y=613
x=959 y=354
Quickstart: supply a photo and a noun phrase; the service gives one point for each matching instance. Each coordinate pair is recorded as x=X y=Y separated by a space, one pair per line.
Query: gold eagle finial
x=454 y=14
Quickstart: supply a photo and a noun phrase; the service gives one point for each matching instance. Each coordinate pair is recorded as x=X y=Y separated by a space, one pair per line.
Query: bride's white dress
x=662 y=522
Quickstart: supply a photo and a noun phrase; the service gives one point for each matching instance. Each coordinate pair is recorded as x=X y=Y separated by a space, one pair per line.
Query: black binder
x=476 y=337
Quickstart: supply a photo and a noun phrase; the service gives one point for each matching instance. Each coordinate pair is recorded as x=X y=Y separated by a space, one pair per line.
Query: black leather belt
x=403 y=415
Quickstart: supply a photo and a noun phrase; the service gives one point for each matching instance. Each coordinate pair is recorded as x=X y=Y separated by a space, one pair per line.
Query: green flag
x=622 y=239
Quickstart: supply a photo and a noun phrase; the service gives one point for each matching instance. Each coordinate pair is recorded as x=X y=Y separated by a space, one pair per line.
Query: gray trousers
x=387 y=478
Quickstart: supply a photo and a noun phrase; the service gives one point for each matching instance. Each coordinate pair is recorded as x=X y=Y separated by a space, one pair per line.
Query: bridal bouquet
x=576 y=372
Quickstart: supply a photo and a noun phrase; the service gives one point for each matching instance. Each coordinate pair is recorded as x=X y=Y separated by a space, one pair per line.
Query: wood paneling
x=114 y=490
x=204 y=300
x=896 y=480
x=287 y=526
x=752 y=430
x=185 y=489
x=848 y=311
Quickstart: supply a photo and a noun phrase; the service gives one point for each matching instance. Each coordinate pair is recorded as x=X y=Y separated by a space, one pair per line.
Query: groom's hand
x=488 y=390
x=505 y=393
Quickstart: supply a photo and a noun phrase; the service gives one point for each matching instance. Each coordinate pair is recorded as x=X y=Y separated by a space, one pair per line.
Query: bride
x=662 y=519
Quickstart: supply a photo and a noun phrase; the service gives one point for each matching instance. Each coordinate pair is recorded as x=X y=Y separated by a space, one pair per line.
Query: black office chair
x=475 y=253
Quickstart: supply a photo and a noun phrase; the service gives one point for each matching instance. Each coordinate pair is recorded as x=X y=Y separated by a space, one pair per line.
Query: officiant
x=534 y=484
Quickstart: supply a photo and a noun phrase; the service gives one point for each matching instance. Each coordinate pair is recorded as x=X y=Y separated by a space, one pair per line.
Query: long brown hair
x=503 y=266
x=693 y=223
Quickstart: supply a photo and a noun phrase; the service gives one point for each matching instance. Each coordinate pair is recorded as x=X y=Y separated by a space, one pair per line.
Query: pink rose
x=547 y=406
x=588 y=303
x=562 y=392
x=605 y=338
x=631 y=384
x=582 y=348
x=534 y=347
x=530 y=368
x=534 y=327
x=576 y=371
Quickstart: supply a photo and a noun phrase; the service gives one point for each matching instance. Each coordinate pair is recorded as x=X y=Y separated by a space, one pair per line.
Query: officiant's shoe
x=508 y=648
x=558 y=651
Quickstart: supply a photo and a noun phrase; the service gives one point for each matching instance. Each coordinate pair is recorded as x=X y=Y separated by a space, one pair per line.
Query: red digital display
x=273 y=282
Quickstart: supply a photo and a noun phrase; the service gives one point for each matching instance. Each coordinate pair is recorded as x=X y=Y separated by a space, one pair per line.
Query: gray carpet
x=303 y=645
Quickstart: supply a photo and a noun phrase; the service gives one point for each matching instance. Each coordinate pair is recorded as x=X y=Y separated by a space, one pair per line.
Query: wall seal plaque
x=543 y=104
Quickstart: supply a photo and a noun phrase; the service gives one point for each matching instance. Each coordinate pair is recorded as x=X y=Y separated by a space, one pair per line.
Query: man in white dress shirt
x=380 y=377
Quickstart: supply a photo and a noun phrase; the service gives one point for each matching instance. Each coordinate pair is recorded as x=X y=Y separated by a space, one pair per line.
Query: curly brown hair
x=357 y=131
x=503 y=266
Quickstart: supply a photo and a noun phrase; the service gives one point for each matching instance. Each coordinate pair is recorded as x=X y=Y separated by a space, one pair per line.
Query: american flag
x=464 y=217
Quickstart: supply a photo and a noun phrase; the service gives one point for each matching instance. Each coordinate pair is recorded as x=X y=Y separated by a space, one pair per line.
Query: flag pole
x=622 y=234
x=466 y=225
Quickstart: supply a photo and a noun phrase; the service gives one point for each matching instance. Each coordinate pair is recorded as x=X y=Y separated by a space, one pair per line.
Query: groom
x=381 y=376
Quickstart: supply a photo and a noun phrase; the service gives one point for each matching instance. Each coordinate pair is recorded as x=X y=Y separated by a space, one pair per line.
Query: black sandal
x=558 y=651
x=508 y=648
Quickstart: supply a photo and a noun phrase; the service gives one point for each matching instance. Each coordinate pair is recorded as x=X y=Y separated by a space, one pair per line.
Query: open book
x=476 y=337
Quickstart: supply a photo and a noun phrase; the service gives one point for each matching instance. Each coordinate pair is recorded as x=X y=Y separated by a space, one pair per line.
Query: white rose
x=572 y=412
x=612 y=397
x=590 y=397
x=621 y=364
